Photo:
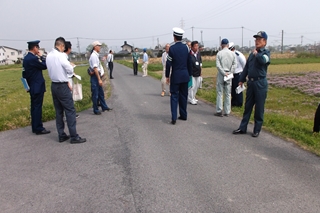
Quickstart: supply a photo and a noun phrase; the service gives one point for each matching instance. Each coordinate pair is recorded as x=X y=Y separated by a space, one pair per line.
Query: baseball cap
x=96 y=43
x=224 y=41
x=261 y=34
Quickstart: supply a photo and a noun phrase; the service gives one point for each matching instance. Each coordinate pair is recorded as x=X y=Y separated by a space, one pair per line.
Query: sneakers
x=162 y=93
x=77 y=116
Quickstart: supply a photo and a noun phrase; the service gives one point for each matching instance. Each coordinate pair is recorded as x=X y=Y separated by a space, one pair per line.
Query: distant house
x=126 y=48
x=9 y=55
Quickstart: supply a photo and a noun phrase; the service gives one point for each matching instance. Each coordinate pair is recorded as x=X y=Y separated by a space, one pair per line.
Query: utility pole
x=202 y=39
x=78 y=45
x=192 y=33
x=219 y=42
x=242 y=39
x=182 y=23
x=282 y=43
x=158 y=44
x=301 y=40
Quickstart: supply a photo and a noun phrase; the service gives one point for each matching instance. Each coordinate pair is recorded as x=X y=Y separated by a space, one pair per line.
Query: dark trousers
x=236 y=99
x=36 y=112
x=316 y=124
x=135 y=68
x=256 y=96
x=179 y=94
x=110 y=66
x=97 y=94
x=63 y=104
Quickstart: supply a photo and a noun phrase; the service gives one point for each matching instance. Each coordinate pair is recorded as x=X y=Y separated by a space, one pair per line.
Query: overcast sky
x=142 y=22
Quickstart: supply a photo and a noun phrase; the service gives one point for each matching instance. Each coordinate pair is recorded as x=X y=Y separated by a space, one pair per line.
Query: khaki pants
x=145 y=68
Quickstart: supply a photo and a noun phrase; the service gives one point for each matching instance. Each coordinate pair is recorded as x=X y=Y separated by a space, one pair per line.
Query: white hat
x=96 y=43
x=177 y=31
x=231 y=45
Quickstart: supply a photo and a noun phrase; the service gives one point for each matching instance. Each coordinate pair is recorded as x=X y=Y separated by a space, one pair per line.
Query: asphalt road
x=135 y=161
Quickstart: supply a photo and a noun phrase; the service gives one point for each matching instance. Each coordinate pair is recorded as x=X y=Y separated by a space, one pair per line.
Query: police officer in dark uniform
x=179 y=62
x=33 y=64
x=256 y=70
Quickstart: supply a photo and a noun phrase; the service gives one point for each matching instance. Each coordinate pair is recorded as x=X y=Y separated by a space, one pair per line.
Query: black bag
x=90 y=71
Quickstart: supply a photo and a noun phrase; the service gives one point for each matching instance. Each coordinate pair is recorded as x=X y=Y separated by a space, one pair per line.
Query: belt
x=256 y=78
x=59 y=82
x=239 y=73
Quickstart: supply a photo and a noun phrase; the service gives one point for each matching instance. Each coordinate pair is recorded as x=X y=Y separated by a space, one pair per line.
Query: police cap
x=178 y=31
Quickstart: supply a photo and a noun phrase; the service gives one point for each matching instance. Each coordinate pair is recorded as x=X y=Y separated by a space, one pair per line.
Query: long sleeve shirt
x=256 y=65
x=164 y=60
x=145 y=57
x=58 y=66
x=226 y=63
x=241 y=61
x=135 y=56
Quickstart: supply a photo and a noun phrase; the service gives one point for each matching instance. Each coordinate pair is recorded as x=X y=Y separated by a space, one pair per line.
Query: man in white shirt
x=110 y=63
x=237 y=99
x=96 y=80
x=59 y=68
x=145 y=63
x=164 y=61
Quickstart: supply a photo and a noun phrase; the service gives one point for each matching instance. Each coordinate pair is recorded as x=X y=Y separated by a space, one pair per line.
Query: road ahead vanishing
x=134 y=160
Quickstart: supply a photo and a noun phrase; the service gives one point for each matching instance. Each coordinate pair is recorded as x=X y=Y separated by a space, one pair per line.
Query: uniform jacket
x=226 y=63
x=179 y=62
x=32 y=72
x=135 y=56
x=196 y=64
x=256 y=65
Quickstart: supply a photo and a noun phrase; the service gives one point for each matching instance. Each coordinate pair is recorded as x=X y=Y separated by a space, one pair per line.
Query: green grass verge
x=15 y=102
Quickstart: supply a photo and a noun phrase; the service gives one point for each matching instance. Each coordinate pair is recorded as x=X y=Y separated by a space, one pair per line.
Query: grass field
x=15 y=101
x=289 y=112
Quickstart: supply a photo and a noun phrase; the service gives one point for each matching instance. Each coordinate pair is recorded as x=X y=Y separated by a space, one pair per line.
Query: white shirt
x=58 y=66
x=241 y=62
x=164 y=59
x=94 y=61
x=110 y=57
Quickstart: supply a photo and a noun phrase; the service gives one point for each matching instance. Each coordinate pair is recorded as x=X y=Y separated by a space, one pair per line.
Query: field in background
x=289 y=111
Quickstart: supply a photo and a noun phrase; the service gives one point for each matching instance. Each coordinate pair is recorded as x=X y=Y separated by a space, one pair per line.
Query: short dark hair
x=59 y=41
x=110 y=51
x=31 y=46
x=67 y=46
x=194 y=43
x=178 y=38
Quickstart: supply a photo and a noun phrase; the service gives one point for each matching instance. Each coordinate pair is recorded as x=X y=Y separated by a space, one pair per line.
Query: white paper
x=77 y=76
x=228 y=77
x=240 y=89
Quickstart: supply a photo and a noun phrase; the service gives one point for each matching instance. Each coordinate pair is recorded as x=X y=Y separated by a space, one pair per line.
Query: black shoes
x=43 y=132
x=111 y=78
x=255 y=134
x=173 y=122
x=108 y=109
x=97 y=113
x=181 y=118
x=238 y=131
x=63 y=138
x=78 y=140
x=219 y=114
